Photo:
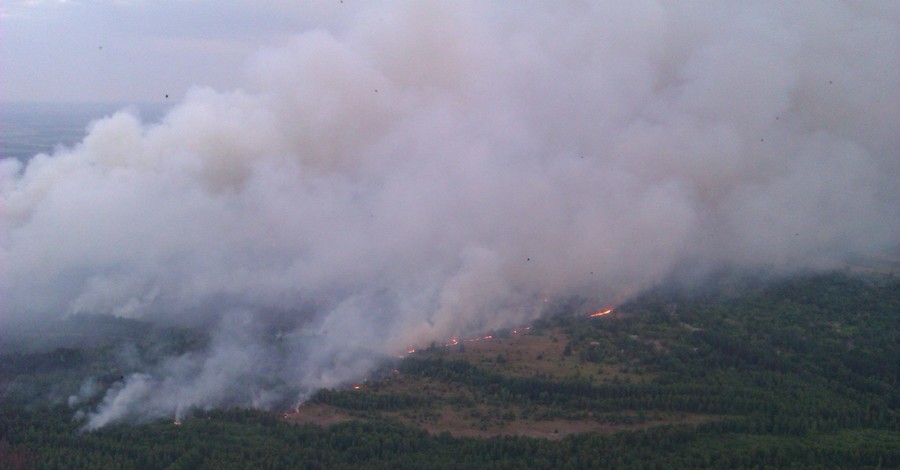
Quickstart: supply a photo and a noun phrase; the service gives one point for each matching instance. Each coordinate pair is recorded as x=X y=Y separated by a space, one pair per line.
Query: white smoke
x=439 y=167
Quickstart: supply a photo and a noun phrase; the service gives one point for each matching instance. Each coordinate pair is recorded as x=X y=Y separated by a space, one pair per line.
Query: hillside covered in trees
x=800 y=372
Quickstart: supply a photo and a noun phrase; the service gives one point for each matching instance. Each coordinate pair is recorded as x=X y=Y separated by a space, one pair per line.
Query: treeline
x=361 y=401
x=582 y=394
x=763 y=403
x=250 y=439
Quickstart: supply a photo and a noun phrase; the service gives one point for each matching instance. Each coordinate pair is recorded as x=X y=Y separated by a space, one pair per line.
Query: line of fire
x=457 y=341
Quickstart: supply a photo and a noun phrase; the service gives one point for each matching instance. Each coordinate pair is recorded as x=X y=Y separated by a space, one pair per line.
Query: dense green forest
x=795 y=373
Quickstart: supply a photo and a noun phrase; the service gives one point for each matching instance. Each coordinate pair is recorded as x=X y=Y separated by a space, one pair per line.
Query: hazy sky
x=141 y=50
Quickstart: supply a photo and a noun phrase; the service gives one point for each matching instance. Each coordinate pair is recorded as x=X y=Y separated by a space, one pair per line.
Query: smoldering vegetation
x=431 y=169
x=84 y=357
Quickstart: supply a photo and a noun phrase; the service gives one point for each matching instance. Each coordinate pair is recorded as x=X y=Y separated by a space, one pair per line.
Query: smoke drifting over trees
x=437 y=168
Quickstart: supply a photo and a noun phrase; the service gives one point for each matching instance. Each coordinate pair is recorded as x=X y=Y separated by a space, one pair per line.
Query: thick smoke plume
x=432 y=169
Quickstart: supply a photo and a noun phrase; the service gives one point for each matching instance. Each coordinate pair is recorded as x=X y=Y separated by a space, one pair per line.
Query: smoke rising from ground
x=438 y=168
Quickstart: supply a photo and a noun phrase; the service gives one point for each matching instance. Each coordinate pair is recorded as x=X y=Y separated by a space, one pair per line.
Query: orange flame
x=601 y=313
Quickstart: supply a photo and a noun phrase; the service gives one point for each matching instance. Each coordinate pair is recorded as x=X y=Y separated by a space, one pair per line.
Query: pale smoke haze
x=439 y=168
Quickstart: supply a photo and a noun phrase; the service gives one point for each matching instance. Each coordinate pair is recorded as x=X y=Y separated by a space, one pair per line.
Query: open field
x=459 y=410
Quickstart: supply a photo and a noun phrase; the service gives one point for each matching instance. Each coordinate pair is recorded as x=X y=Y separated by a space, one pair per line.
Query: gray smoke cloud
x=437 y=168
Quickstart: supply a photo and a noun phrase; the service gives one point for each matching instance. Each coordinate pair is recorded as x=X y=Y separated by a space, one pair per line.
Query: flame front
x=601 y=313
